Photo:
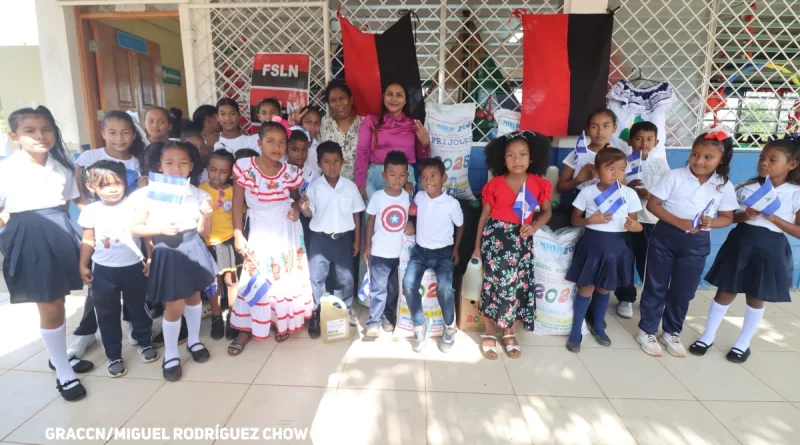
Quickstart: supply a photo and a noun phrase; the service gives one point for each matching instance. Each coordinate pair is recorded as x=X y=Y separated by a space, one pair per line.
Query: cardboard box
x=468 y=318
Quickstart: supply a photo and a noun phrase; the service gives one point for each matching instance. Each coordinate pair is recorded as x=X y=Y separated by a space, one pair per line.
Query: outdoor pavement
x=381 y=392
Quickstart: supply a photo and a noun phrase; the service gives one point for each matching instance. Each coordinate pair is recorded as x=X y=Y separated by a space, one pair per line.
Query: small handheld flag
x=363 y=290
x=635 y=165
x=167 y=188
x=525 y=204
x=699 y=216
x=611 y=199
x=257 y=286
x=580 y=147
x=765 y=199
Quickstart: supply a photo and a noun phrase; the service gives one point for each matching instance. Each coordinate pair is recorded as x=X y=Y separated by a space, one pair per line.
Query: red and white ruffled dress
x=279 y=251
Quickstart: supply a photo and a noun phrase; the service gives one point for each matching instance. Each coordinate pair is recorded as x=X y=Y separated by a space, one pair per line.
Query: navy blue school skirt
x=754 y=261
x=41 y=252
x=601 y=259
x=180 y=267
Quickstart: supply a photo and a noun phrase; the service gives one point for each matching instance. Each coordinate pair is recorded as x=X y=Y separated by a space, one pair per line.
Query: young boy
x=385 y=242
x=296 y=154
x=334 y=205
x=644 y=137
x=436 y=249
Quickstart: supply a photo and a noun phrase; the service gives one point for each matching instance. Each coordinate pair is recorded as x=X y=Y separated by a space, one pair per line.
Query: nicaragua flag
x=363 y=290
x=167 y=188
x=765 y=199
x=635 y=165
x=699 y=216
x=610 y=200
x=255 y=289
x=580 y=147
x=525 y=204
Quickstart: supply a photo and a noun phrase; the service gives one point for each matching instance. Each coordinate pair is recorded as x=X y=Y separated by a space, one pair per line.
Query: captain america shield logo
x=393 y=218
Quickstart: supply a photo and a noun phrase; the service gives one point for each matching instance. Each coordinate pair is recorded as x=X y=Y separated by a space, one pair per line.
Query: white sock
x=55 y=340
x=171 y=330
x=752 y=318
x=715 y=315
x=194 y=315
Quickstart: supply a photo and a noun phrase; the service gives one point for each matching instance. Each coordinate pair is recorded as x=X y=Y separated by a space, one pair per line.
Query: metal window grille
x=732 y=60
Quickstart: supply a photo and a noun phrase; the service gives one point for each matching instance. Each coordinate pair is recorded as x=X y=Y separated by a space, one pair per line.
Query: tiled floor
x=381 y=392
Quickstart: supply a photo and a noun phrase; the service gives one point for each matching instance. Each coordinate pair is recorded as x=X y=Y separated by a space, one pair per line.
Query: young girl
x=756 y=259
x=205 y=121
x=602 y=261
x=196 y=138
x=233 y=138
x=181 y=266
x=268 y=108
x=40 y=245
x=220 y=240
x=578 y=169
x=119 y=266
x=392 y=129
x=157 y=124
x=274 y=249
x=683 y=201
x=123 y=144
x=517 y=162
x=310 y=118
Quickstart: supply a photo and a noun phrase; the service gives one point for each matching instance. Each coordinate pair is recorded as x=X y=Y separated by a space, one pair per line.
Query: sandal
x=512 y=351
x=699 y=348
x=485 y=350
x=280 y=338
x=737 y=356
x=236 y=347
x=200 y=355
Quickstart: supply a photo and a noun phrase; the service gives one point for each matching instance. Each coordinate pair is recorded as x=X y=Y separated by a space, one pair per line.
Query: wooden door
x=127 y=79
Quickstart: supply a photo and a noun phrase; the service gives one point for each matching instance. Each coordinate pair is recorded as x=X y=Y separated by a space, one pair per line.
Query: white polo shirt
x=332 y=208
x=435 y=220
x=585 y=202
x=26 y=185
x=685 y=197
x=788 y=193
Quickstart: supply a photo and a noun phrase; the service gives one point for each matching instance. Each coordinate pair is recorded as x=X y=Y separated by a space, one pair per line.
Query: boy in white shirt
x=334 y=206
x=385 y=242
x=436 y=249
x=643 y=138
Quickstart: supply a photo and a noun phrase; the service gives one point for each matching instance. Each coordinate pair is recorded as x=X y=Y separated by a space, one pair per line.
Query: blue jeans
x=440 y=260
x=382 y=289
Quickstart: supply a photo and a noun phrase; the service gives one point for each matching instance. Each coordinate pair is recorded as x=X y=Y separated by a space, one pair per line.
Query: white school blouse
x=160 y=214
x=588 y=158
x=685 y=197
x=26 y=185
x=242 y=141
x=789 y=194
x=89 y=157
x=585 y=202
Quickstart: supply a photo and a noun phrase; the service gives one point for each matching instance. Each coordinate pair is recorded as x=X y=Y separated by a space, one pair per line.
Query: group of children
x=265 y=229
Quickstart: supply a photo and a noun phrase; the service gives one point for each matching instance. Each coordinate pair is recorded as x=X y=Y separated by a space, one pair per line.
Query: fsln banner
x=282 y=76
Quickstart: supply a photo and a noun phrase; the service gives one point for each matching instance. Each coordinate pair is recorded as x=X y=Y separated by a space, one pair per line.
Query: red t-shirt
x=499 y=195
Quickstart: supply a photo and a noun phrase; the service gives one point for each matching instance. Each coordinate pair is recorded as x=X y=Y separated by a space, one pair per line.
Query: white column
x=61 y=71
x=585 y=6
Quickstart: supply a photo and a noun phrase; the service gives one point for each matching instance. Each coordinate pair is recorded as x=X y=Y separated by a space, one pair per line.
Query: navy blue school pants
x=332 y=255
x=675 y=262
x=383 y=289
x=88 y=324
x=638 y=244
x=108 y=284
x=441 y=261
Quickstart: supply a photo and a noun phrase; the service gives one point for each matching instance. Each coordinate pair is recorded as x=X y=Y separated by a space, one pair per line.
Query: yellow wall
x=20 y=77
x=166 y=33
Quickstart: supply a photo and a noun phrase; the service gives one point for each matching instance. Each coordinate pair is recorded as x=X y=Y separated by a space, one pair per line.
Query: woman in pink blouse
x=392 y=130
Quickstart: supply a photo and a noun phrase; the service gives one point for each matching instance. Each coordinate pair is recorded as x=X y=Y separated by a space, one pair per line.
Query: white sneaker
x=649 y=344
x=673 y=344
x=79 y=344
x=129 y=330
x=625 y=309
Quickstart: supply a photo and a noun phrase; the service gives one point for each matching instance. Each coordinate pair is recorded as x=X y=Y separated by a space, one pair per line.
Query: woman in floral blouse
x=342 y=125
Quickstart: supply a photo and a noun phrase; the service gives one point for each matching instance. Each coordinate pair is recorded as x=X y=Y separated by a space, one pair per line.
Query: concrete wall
x=166 y=33
x=21 y=79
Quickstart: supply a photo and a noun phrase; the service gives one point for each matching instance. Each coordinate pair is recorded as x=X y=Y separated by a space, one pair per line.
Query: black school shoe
x=699 y=348
x=217 y=327
x=174 y=373
x=737 y=356
x=201 y=355
x=73 y=394
x=158 y=340
x=81 y=367
x=314 y=330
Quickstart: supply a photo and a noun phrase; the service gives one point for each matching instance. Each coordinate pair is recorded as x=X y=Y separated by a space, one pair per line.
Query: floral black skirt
x=508 y=275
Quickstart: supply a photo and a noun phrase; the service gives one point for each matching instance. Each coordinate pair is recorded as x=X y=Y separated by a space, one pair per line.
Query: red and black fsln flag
x=565 y=70
x=375 y=60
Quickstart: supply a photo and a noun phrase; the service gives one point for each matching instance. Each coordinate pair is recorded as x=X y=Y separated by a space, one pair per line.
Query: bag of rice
x=507 y=121
x=554 y=294
x=450 y=128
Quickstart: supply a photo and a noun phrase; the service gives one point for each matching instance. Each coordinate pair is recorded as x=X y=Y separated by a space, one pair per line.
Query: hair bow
x=717 y=132
x=285 y=124
x=794 y=137
x=519 y=134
